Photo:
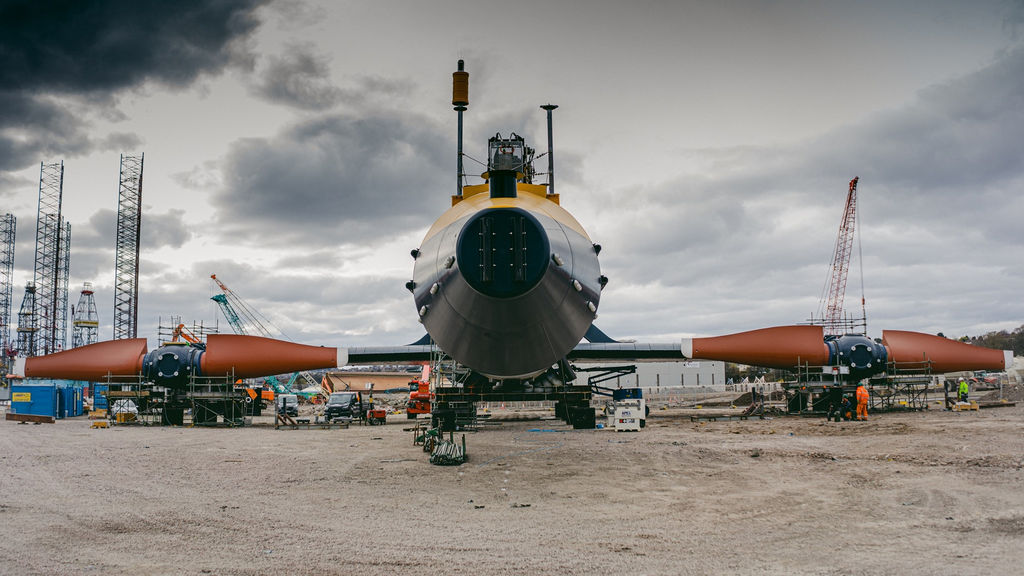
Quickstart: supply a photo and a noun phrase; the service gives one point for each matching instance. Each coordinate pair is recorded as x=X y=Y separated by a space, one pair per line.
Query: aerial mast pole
x=460 y=100
x=551 y=150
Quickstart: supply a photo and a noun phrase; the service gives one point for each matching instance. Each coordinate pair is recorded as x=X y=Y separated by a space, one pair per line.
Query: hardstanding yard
x=923 y=493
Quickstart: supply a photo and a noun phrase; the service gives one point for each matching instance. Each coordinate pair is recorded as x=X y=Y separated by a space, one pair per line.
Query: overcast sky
x=300 y=149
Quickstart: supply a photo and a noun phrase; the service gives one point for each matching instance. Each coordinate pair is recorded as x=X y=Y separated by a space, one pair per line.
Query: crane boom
x=245 y=320
x=229 y=313
x=835 y=291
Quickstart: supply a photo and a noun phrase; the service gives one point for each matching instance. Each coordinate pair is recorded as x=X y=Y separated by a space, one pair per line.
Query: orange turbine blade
x=92 y=363
x=253 y=356
x=945 y=355
x=777 y=347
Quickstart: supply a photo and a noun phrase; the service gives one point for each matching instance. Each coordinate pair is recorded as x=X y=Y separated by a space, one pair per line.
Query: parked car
x=343 y=405
x=288 y=404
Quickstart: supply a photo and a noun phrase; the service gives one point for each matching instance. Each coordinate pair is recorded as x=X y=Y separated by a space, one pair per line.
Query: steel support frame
x=903 y=387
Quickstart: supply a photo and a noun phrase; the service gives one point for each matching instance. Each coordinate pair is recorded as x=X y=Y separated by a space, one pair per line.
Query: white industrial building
x=661 y=375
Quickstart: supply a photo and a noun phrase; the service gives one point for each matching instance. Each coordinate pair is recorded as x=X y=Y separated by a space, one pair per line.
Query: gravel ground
x=921 y=493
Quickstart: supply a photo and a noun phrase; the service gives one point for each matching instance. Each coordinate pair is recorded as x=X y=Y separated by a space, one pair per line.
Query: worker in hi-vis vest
x=963 y=390
x=862 y=402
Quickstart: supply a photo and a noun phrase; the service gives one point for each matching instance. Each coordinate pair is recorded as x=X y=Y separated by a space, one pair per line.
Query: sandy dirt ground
x=911 y=493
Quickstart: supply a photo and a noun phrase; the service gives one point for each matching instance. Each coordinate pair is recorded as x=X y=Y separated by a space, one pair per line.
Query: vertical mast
x=129 y=233
x=47 y=268
x=460 y=100
x=8 y=225
x=551 y=150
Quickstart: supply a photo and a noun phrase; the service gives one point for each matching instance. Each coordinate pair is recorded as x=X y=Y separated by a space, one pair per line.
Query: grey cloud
x=91 y=264
x=205 y=177
x=93 y=242
x=11 y=185
x=159 y=230
x=1013 y=18
x=98 y=232
x=121 y=141
x=299 y=78
x=316 y=308
x=372 y=91
x=165 y=230
x=334 y=179
x=955 y=136
x=940 y=176
x=326 y=258
x=297 y=14
x=377 y=86
x=948 y=157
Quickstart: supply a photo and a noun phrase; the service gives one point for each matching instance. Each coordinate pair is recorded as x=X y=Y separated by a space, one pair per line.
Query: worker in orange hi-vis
x=862 y=402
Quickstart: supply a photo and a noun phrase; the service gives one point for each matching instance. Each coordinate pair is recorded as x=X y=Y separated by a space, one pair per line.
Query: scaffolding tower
x=63 y=276
x=27 y=323
x=8 y=224
x=86 y=322
x=129 y=229
x=51 y=263
x=172 y=332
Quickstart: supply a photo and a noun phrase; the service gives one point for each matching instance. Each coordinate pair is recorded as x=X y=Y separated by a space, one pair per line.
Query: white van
x=288 y=404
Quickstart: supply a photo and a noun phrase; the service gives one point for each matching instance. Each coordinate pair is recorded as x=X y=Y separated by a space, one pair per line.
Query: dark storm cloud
x=753 y=229
x=101 y=46
x=299 y=78
x=334 y=179
x=34 y=126
x=52 y=53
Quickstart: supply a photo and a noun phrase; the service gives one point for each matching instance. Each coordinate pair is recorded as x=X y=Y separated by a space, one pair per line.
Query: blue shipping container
x=72 y=405
x=99 y=398
x=55 y=398
x=39 y=399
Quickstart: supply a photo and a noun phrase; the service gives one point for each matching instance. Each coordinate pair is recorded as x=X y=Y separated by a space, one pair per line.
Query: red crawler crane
x=835 y=290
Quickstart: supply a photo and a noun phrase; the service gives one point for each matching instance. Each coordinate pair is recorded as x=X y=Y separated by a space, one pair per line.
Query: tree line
x=1001 y=340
